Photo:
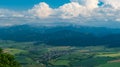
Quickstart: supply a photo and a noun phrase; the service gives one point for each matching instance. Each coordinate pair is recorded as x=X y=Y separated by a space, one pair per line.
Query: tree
x=7 y=60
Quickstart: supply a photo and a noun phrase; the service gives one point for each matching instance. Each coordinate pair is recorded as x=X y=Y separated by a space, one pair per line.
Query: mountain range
x=73 y=35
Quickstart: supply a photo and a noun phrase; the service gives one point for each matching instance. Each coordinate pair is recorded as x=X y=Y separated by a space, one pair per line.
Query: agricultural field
x=30 y=54
x=115 y=64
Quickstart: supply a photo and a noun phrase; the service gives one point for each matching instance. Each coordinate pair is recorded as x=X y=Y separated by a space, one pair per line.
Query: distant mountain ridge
x=62 y=35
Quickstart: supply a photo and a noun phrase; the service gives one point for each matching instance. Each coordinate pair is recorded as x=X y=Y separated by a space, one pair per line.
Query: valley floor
x=30 y=54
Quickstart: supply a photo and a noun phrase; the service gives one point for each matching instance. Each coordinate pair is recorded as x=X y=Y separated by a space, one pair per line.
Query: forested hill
x=62 y=35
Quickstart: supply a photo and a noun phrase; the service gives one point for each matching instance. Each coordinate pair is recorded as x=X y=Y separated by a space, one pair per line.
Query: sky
x=27 y=4
x=102 y=13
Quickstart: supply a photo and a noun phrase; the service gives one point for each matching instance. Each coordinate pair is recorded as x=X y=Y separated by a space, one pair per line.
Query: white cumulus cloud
x=42 y=10
x=71 y=10
x=112 y=3
x=89 y=4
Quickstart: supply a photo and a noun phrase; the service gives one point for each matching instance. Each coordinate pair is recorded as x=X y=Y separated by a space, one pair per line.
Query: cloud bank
x=83 y=12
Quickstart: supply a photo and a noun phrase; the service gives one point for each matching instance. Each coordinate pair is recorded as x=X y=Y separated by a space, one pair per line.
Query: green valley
x=30 y=54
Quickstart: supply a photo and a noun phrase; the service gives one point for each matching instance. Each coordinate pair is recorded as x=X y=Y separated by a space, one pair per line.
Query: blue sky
x=104 y=13
x=27 y=4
